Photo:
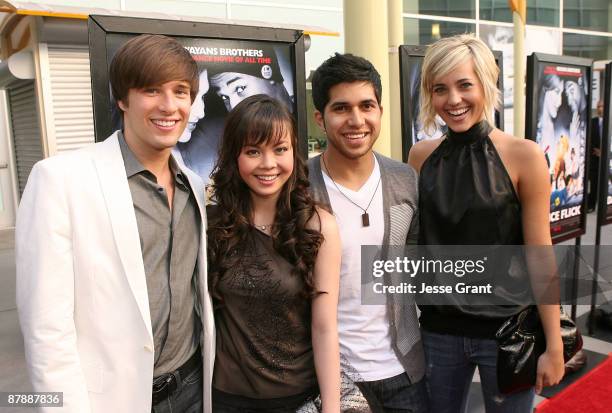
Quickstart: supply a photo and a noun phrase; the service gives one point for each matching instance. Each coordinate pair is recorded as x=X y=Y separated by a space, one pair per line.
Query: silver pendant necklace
x=365 y=218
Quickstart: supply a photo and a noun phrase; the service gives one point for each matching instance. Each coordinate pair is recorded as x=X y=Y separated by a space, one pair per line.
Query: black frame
x=100 y=27
x=499 y=113
x=604 y=212
x=533 y=79
x=408 y=55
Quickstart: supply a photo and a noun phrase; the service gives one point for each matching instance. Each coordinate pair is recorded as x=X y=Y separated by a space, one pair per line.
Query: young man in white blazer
x=111 y=267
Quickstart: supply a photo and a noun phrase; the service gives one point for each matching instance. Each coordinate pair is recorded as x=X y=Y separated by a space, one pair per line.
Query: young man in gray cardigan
x=374 y=200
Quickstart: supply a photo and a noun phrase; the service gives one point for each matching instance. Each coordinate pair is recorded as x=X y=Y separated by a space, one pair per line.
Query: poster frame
x=531 y=112
x=407 y=55
x=604 y=217
x=101 y=26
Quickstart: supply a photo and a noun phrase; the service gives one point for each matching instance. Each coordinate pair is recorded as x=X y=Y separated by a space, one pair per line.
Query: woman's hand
x=574 y=125
x=551 y=369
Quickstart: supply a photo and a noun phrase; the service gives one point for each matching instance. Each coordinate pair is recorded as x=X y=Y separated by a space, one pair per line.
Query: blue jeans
x=451 y=361
x=187 y=398
x=395 y=395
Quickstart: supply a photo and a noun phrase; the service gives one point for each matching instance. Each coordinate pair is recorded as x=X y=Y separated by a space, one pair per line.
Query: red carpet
x=592 y=393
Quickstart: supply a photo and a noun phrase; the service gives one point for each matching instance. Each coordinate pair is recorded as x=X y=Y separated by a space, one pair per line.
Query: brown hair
x=260 y=119
x=149 y=60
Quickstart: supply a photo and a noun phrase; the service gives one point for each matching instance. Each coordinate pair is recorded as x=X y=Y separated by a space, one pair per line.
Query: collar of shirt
x=134 y=167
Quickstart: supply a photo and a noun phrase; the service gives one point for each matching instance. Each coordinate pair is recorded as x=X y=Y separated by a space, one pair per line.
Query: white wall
x=325 y=14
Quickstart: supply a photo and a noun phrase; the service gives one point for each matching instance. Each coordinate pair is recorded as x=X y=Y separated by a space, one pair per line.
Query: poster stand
x=604 y=195
x=558 y=119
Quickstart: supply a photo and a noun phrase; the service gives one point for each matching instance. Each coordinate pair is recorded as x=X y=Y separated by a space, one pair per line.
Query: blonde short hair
x=444 y=56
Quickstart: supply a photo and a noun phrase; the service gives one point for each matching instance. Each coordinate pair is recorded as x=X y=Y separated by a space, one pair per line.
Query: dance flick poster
x=559 y=99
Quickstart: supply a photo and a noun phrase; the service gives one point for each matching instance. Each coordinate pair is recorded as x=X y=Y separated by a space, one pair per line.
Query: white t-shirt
x=363 y=330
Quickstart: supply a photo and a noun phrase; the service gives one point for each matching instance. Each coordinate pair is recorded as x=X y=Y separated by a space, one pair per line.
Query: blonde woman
x=477 y=186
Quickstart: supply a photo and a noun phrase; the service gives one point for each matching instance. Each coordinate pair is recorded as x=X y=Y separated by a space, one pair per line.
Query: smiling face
x=266 y=167
x=197 y=108
x=574 y=95
x=154 y=117
x=458 y=97
x=351 y=119
x=234 y=87
x=552 y=100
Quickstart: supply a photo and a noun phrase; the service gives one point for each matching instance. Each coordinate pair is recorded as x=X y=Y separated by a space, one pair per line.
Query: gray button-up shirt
x=169 y=240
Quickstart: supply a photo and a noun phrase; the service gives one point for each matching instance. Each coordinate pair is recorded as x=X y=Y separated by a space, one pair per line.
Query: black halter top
x=466 y=197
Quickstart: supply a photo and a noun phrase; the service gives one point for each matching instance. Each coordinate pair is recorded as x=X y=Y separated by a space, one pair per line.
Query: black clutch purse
x=521 y=341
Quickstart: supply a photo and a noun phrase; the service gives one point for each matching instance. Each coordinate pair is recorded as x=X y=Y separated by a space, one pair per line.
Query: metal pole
x=575 y=276
x=591 y=319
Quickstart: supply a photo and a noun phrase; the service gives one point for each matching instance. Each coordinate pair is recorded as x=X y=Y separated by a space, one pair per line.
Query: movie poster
x=418 y=133
x=537 y=39
x=230 y=71
x=411 y=61
x=562 y=117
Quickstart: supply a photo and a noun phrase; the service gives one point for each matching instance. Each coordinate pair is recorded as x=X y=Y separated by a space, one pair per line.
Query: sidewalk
x=12 y=361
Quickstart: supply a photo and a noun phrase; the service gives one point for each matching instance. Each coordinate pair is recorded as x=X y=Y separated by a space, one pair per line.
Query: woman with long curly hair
x=274 y=262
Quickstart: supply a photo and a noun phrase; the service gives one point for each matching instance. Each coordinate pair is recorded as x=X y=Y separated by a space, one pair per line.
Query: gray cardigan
x=400 y=202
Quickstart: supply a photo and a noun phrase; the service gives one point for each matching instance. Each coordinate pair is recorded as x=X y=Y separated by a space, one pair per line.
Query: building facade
x=50 y=111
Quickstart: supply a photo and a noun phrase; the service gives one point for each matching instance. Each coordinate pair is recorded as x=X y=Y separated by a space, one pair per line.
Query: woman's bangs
x=268 y=131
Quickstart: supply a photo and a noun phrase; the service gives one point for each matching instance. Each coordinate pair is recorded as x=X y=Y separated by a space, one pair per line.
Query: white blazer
x=81 y=288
